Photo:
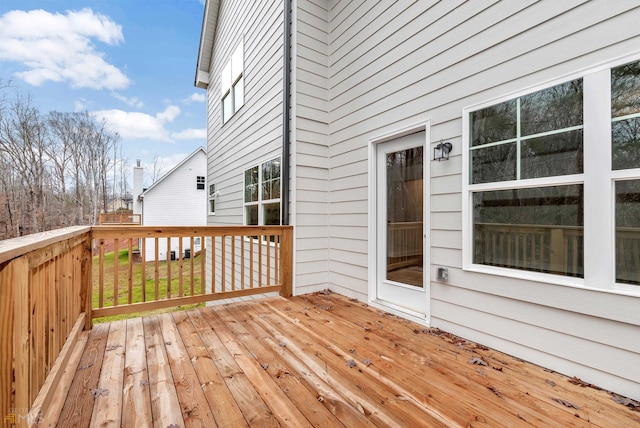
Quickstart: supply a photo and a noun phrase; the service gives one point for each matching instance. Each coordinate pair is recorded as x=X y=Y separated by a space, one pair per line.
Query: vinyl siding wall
x=310 y=150
x=254 y=133
x=175 y=201
x=395 y=64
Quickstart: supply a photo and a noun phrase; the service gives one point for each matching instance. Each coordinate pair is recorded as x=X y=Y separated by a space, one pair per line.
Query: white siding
x=391 y=65
x=175 y=201
x=254 y=134
x=311 y=147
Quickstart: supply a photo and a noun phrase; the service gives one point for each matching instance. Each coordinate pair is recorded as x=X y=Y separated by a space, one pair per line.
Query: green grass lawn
x=150 y=283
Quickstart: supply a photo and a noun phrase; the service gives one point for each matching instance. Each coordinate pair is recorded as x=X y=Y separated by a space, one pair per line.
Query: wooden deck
x=316 y=360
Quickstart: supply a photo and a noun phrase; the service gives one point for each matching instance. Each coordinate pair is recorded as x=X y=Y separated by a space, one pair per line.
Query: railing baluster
x=251 y=261
x=242 y=262
x=192 y=256
x=130 y=294
x=276 y=265
x=223 y=256
x=203 y=271
x=116 y=268
x=260 y=239
x=101 y=273
x=180 y=291
x=157 y=268
x=143 y=250
x=268 y=243
x=233 y=262
x=213 y=264
x=168 y=261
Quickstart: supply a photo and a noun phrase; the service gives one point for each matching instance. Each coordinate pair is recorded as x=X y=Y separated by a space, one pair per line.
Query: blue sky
x=131 y=62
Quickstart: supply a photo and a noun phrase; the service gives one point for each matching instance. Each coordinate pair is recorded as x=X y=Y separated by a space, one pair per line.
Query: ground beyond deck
x=316 y=360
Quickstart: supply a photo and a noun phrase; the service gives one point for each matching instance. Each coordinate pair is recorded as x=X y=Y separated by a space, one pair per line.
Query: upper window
x=533 y=136
x=526 y=185
x=232 y=84
x=262 y=194
x=200 y=182
x=625 y=116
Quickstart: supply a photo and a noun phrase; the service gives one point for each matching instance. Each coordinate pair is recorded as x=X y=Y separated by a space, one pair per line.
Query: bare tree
x=157 y=169
x=53 y=169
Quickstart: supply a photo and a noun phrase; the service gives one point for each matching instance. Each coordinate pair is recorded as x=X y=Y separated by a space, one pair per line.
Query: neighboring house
x=327 y=115
x=178 y=198
x=120 y=204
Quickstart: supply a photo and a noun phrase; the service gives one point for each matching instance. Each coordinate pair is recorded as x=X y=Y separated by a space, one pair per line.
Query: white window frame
x=260 y=202
x=213 y=195
x=598 y=179
x=232 y=82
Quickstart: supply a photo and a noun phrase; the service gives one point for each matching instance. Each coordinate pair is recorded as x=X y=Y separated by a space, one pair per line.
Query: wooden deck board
x=165 y=407
x=107 y=407
x=78 y=406
x=315 y=360
x=136 y=397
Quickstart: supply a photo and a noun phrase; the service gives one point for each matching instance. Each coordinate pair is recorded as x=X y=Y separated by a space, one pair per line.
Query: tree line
x=55 y=168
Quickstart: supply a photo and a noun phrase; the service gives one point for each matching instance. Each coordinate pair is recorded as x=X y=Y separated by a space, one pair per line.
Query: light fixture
x=442 y=150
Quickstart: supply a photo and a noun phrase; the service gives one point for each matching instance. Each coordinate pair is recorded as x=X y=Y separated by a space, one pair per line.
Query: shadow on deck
x=314 y=360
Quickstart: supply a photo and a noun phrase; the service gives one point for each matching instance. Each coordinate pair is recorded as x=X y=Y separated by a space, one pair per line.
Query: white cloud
x=196 y=97
x=190 y=134
x=133 y=101
x=139 y=126
x=80 y=105
x=170 y=113
x=59 y=48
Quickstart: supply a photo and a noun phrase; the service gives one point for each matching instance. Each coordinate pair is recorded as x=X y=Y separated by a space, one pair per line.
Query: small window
x=200 y=182
x=213 y=194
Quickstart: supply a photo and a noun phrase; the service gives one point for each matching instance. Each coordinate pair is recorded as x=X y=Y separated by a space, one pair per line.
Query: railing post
x=286 y=260
x=14 y=340
x=86 y=286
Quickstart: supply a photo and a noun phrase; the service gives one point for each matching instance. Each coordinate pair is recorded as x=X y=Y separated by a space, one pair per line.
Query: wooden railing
x=44 y=301
x=170 y=266
x=120 y=218
x=48 y=282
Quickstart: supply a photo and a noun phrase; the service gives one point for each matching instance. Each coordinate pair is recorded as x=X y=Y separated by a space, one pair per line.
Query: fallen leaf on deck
x=632 y=404
x=495 y=391
x=566 y=403
x=550 y=382
x=478 y=361
x=351 y=363
x=367 y=362
x=577 y=381
x=265 y=366
x=98 y=392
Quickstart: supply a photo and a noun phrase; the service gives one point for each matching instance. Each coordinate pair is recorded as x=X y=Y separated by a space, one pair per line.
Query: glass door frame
x=377 y=146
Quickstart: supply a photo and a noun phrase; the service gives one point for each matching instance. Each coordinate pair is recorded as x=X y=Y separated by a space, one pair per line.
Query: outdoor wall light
x=442 y=150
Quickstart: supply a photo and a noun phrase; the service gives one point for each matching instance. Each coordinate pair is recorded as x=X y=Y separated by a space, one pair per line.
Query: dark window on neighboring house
x=200 y=182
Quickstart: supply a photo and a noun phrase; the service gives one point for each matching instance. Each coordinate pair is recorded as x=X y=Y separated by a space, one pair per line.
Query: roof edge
x=172 y=170
x=208 y=31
